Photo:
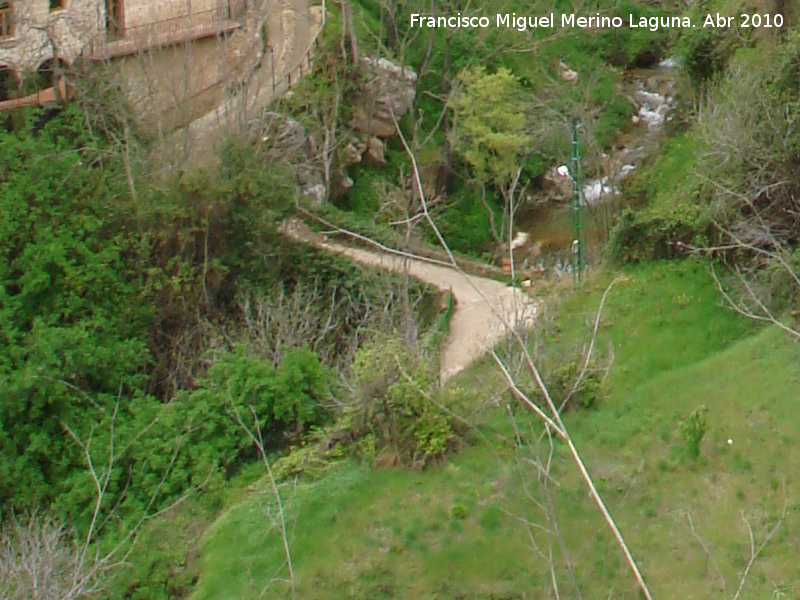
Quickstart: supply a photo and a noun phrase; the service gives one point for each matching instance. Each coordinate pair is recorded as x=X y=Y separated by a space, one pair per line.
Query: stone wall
x=37 y=30
x=168 y=86
x=143 y=12
x=172 y=86
x=175 y=85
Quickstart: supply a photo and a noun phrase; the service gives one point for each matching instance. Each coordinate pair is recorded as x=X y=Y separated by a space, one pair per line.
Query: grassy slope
x=381 y=534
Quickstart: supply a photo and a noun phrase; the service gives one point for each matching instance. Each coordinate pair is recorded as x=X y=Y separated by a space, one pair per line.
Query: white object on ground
x=519 y=240
x=568 y=74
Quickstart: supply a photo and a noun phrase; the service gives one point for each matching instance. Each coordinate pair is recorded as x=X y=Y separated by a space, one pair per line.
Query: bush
x=307 y=460
x=650 y=234
x=707 y=50
x=399 y=405
x=397 y=416
x=465 y=223
x=693 y=429
x=561 y=378
x=286 y=400
x=629 y=47
x=458 y=512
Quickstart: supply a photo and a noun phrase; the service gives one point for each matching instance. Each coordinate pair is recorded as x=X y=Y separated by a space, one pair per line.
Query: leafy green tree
x=285 y=398
x=490 y=135
x=490 y=132
x=301 y=386
x=73 y=327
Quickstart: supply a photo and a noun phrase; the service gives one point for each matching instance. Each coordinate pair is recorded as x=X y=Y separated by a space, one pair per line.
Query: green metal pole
x=575 y=172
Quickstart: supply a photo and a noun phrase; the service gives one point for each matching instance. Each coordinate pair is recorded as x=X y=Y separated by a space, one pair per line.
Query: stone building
x=167 y=53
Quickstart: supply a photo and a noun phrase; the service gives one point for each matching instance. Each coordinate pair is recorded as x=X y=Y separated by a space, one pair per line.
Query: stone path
x=481 y=303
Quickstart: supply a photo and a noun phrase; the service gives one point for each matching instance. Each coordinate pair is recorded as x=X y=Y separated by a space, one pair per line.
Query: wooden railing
x=46 y=97
x=6 y=22
x=184 y=28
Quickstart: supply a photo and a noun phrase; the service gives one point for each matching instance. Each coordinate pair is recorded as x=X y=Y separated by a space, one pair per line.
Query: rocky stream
x=546 y=228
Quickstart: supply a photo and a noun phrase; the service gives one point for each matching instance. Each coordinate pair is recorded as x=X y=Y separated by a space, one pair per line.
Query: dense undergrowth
x=738 y=158
x=460 y=202
x=151 y=318
x=137 y=325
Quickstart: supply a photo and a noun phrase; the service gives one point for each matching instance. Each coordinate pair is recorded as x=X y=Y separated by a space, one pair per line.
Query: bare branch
x=588 y=359
x=709 y=555
x=258 y=441
x=554 y=419
x=754 y=552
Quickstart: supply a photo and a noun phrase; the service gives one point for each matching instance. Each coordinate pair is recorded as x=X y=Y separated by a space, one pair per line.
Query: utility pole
x=577 y=204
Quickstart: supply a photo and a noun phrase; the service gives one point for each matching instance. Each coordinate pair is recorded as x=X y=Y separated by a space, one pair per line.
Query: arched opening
x=9 y=84
x=52 y=73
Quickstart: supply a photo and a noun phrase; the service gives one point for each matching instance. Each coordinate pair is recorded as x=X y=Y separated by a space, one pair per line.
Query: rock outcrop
x=290 y=142
x=390 y=89
x=372 y=151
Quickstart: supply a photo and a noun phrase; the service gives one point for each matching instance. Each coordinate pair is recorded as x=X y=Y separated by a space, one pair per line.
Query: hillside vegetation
x=459 y=530
x=193 y=404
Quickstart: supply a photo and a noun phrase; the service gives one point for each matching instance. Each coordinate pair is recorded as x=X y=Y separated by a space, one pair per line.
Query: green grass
x=671 y=179
x=660 y=316
x=453 y=531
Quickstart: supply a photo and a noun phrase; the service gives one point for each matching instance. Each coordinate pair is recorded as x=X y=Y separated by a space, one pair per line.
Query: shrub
x=458 y=512
x=286 y=400
x=399 y=405
x=707 y=50
x=465 y=223
x=693 y=429
x=629 y=47
x=306 y=460
x=397 y=416
x=561 y=377
x=565 y=375
x=651 y=233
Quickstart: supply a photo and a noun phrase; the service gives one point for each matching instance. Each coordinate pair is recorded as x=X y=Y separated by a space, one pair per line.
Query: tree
x=44 y=559
x=489 y=133
x=491 y=125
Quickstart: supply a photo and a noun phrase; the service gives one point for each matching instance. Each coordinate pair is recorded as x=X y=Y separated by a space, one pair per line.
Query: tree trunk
x=446 y=88
x=391 y=26
x=351 y=30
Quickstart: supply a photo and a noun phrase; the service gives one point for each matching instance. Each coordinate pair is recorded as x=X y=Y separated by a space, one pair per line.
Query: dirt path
x=474 y=328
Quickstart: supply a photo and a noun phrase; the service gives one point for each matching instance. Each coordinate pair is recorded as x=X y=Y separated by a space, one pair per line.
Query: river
x=546 y=230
